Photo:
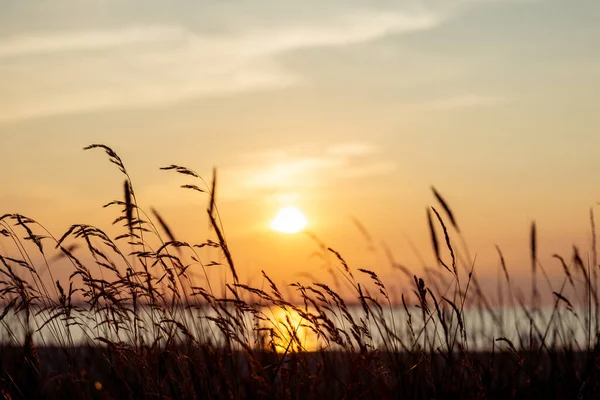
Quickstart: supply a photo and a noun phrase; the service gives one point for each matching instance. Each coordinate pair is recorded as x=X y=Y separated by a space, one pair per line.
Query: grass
x=134 y=321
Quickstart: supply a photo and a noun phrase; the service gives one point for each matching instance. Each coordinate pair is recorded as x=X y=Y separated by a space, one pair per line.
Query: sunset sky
x=344 y=109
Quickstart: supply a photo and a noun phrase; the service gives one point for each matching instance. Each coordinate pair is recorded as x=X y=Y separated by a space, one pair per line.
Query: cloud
x=70 y=56
x=465 y=101
x=36 y=45
x=304 y=170
x=79 y=70
x=368 y=170
x=180 y=66
x=284 y=175
x=352 y=149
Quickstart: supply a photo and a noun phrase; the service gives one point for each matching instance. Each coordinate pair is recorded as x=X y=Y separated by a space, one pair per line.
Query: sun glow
x=290 y=332
x=289 y=220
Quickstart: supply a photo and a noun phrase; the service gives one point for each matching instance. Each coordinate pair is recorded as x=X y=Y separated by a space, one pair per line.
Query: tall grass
x=135 y=319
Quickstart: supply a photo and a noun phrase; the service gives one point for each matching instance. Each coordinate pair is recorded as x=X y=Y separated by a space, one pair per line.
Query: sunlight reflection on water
x=291 y=332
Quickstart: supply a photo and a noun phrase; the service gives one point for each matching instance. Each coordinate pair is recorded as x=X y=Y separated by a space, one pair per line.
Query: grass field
x=149 y=329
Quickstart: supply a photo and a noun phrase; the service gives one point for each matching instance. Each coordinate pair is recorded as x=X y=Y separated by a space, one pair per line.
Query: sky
x=349 y=110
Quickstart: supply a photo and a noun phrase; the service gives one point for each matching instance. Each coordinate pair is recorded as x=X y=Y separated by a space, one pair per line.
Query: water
x=275 y=326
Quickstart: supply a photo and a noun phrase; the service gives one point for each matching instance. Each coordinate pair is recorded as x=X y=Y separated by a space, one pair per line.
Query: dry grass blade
x=37 y=239
x=193 y=187
x=579 y=262
x=403 y=269
x=448 y=244
x=458 y=315
x=363 y=230
x=533 y=248
x=181 y=170
x=213 y=193
x=164 y=225
x=510 y=344
x=274 y=287
x=341 y=260
x=503 y=264
x=565 y=268
x=112 y=156
x=7 y=308
x=434 y=241
x=533 y=245
x=594 y=244
x=128 y=207
x=223 y=245
x=446 y=208
x=563 y=298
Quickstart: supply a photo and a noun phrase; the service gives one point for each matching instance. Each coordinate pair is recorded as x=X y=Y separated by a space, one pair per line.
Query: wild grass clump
x=134 y=319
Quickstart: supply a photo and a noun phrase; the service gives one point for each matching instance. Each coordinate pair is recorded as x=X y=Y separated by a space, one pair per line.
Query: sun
x=289 y=220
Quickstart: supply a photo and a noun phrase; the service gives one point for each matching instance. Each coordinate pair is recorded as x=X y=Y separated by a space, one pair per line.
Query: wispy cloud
x=285 y=175
x=78 y=70
x=465 y=101
x=117 y=55
x=352 y=149
x=304 y=171
x=89 y=40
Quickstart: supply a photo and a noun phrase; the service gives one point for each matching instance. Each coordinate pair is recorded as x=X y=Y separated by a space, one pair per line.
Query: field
x=133 y=322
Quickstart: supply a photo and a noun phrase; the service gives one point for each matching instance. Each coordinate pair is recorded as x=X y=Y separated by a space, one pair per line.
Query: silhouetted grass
x=134 y=320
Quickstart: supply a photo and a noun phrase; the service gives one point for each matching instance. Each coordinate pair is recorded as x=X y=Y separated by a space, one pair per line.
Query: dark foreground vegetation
x=148 y=327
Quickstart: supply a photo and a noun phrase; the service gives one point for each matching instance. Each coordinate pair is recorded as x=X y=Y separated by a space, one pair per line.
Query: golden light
x=289 y=220
x=291 y=333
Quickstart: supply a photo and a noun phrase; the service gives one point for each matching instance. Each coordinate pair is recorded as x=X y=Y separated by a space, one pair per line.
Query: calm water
x=482 y=328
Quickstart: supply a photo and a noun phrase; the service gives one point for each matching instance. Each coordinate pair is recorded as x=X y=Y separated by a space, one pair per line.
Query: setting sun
x=289 y=220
